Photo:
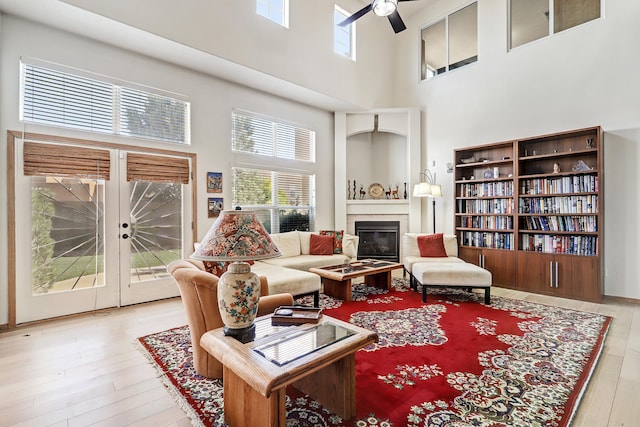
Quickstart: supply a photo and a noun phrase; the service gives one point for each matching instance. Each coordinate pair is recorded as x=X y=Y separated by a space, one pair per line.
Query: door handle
x=125 y=236
x=125 y=225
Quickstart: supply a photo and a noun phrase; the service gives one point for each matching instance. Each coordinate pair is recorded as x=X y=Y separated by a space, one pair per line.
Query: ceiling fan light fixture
x=384 y=7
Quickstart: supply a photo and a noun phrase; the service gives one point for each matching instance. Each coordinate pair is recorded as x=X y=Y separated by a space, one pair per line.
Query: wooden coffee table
x=318 y=358
x=336 y=279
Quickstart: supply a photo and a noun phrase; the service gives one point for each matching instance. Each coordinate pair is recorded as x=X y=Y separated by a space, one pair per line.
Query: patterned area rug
x=450 y=362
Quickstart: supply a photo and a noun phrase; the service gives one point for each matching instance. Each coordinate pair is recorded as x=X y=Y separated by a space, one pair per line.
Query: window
x=274 y=171
x=343 y=37
x=58 y=98
x=275 y=10
x=450 y=43
x=531 y=20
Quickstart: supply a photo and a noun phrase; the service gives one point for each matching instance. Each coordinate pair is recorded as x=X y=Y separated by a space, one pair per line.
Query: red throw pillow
x=337 y=242
x=431 y=245
x=321 y=245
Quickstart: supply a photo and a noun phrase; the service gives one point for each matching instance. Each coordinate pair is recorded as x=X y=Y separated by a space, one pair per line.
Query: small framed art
x=214 y=206
x=214 y=182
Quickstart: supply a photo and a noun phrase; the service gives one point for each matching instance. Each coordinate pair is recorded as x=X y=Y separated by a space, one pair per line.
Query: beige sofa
x=289 y=272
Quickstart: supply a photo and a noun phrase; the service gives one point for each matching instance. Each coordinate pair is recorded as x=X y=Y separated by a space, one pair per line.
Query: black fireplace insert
x=378 y=240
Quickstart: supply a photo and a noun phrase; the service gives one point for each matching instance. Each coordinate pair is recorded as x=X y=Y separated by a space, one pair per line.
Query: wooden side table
x=319 y=359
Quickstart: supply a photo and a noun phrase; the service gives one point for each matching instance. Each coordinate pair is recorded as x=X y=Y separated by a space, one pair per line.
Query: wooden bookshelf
x=536 y=221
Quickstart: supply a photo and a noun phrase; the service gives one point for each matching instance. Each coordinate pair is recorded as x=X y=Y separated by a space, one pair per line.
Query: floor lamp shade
x=237 y=236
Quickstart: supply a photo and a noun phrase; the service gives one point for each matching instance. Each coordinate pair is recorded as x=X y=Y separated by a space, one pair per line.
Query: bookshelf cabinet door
x=535 y=272
x=470 y=255
x=579 y=277
x=502 y=265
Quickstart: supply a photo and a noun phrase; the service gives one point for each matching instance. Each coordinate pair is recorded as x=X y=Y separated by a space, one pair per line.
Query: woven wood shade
x=65 y=160
x=145 y=167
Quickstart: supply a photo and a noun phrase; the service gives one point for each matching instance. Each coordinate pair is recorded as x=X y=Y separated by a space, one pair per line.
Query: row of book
x=480 y=239
x=559 y=205
x=487 y=189
x=496 y=206
x=572 y=245
x=492 y=222
x=561 y=185
x=561 y=223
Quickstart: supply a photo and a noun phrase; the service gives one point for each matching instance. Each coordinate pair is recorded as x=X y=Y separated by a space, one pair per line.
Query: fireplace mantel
x=380 y=207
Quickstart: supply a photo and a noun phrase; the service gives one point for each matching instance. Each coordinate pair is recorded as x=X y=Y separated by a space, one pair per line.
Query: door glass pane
x=434 y=50
x=463 y=36
x=529 y=21
x=67 y=230
x=155 y=230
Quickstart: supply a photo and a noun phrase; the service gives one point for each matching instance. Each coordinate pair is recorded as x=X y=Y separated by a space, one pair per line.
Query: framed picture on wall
x=214 y=182
x=214 y=206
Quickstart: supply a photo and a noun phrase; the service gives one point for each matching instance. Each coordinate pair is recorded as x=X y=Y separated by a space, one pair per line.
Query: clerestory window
x=450 y=43
x=531 y=20
x=274 y=10
x=50 y=96
x=343 y=36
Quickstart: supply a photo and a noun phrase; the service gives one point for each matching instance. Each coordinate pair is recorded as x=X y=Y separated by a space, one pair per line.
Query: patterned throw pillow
x=337 y=239
x=431 y=245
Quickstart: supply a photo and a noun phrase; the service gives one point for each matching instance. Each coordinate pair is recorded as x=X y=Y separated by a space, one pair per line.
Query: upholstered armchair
x=199 y=292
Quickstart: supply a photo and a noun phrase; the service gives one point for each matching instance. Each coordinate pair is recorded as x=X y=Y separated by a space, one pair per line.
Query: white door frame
x=19 y=242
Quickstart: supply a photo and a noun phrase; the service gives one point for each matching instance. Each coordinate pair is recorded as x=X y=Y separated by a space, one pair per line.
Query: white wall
x=211 y=104
x=302 y=54
x=585 y=76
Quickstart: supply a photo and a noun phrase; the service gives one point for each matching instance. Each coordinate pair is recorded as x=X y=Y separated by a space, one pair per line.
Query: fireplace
x=379 y=240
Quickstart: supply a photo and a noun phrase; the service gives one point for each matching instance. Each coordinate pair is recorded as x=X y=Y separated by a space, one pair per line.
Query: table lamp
x=237 y=236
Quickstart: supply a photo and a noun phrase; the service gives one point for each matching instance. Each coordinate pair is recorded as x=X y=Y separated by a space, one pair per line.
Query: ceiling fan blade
x=355 y=16
x=396 y=22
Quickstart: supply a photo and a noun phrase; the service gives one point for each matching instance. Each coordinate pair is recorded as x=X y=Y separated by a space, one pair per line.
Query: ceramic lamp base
x=244 y=335
x=238 y=296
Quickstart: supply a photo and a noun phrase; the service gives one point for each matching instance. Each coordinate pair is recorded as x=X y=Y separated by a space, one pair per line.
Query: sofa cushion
x=305 y=241
x=305 y=262
x=295 y=282
x=320 y=245
x=410 y=244
x=288 y=243
x=431 y=245
x=337 y=242
x=350 y=245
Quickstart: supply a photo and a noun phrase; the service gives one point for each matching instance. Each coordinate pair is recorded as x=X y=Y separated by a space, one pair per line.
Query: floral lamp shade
x=237 y=236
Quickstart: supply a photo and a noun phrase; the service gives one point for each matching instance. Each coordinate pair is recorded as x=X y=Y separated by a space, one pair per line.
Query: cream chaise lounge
x=443 y=270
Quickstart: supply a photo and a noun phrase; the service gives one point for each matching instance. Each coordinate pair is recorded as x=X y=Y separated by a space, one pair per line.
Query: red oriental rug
x=450 y=362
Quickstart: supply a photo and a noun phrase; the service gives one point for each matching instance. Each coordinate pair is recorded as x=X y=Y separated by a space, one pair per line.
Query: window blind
x=259 y=135
x=154 y=168
x=42 y=159
x=62 y=99
x=59 y=98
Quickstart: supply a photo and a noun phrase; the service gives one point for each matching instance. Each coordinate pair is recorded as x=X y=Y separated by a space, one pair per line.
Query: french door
x=96 y=227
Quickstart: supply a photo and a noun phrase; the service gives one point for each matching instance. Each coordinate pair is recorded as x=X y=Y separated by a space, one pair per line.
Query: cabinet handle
x=480 y=260
x=556 y=274
x=551 y=274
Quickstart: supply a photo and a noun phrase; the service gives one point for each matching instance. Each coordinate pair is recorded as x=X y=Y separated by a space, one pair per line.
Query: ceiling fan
x=388 y=8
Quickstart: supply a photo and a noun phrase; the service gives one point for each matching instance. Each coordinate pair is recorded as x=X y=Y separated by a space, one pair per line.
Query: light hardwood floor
x=86 y=370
